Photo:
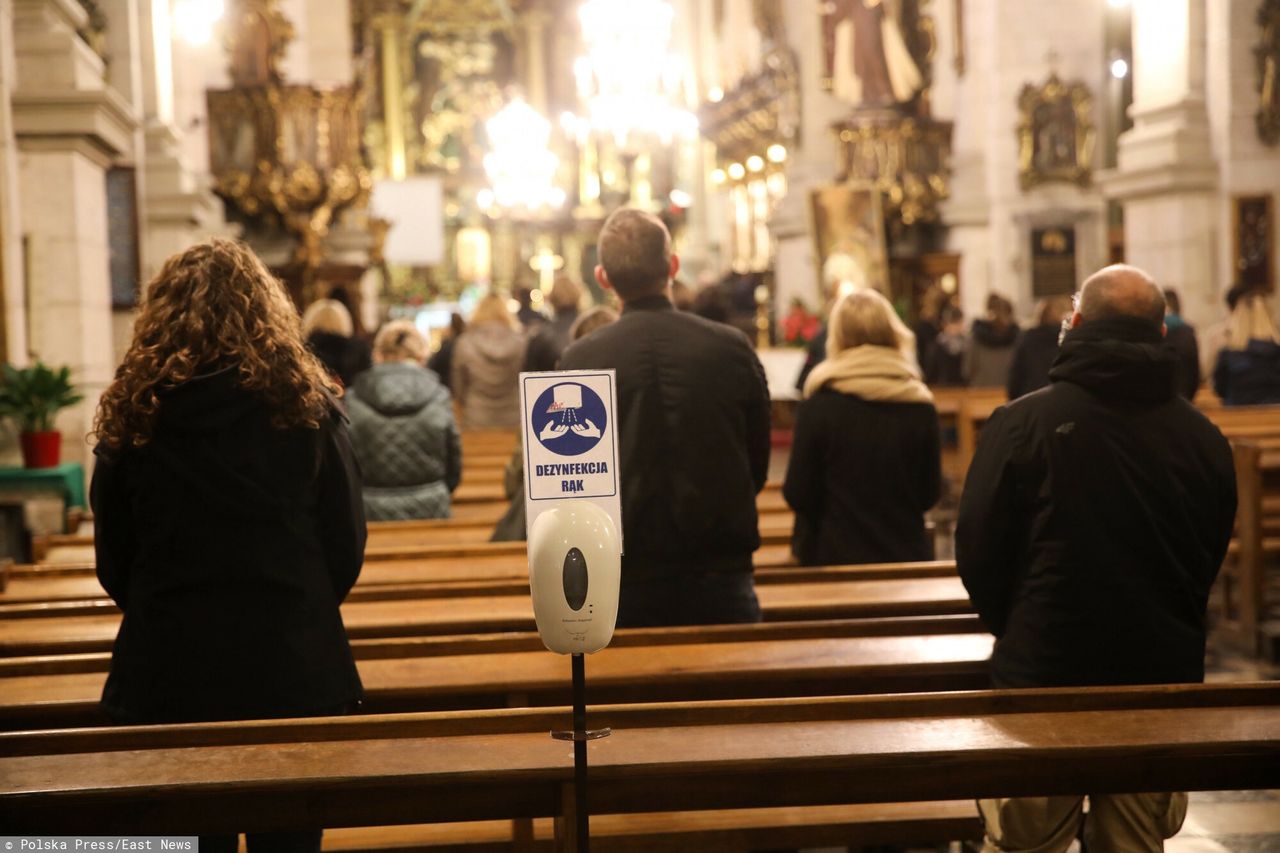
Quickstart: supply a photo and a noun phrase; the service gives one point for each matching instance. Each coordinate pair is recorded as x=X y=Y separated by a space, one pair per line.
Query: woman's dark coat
x=229 y=545
x=861 y=476
x=1033 y=355
x=1248 y=377
x=345 y=358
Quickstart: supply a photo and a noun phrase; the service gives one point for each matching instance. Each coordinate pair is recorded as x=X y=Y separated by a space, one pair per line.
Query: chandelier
x=520 y=168
x=627 y=81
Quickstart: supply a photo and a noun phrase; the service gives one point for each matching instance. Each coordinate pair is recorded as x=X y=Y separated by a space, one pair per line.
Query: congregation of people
x=295 y=432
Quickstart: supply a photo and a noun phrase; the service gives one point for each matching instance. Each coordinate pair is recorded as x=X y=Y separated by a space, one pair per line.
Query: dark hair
x=1171 y=301
x=635 y=251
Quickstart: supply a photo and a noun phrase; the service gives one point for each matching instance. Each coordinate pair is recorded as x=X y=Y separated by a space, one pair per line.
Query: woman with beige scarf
x=866 y=461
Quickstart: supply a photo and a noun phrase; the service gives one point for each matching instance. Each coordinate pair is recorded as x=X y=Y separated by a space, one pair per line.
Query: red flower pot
x=41 y=449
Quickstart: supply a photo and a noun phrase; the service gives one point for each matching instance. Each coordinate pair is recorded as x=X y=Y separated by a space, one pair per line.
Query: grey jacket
x=406 y=441
x=486 y=370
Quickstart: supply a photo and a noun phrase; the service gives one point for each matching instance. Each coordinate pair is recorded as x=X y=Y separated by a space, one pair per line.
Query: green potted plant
x=33 y=396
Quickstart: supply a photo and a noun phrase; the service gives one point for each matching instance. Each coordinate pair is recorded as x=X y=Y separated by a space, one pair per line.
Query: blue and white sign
x=570 y=440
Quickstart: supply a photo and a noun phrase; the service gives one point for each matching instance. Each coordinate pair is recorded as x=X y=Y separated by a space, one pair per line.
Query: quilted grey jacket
x=406 y=440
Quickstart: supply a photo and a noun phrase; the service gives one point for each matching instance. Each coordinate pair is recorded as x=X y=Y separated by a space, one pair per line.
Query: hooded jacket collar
x=1120 y=358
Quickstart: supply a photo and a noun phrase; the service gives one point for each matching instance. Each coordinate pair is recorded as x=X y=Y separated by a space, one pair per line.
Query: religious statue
x=1267 y=54
x=868 y=61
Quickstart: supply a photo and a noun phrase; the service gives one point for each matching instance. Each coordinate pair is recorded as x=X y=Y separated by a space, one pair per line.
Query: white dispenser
x=575 y=568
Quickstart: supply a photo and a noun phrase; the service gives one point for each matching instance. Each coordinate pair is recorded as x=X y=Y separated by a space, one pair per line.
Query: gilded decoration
x=907 y=159
x=764 y=108
x=848 y=237
x=285 y=153
x=1268 y=57
x=1055 y=133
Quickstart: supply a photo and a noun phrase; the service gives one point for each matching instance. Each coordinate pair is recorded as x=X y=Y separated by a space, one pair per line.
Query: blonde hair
x=400 y=340
x=1250 y=321
x=329 y=316
x=590 y=320
x=565 y=294
x=214 y=305
x=493 y=309
x=865 y=318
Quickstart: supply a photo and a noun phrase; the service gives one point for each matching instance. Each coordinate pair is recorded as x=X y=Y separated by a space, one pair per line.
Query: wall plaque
x=122 y=236
x=1253 y=235
x=1053 y=261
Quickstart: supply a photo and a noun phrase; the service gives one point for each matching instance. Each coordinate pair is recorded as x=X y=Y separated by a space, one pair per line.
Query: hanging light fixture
x=627 y=80
x=521 y=169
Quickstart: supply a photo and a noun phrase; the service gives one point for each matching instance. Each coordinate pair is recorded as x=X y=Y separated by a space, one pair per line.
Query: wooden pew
x=472 y=522
x=501 y=765
x=644 y=665
x=1243 y=599
x=420 y=579
x=37 y=629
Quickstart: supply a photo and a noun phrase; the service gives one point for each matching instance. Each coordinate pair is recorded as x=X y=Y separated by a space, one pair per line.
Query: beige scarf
x=882 y=374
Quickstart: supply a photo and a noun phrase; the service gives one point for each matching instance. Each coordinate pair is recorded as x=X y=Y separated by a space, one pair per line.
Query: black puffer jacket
x=1095 y=517
x=406 y=439
x=693 y=437
x=229 y=545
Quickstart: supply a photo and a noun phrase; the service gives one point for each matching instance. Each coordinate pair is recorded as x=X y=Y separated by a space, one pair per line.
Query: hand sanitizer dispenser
x=575 y=568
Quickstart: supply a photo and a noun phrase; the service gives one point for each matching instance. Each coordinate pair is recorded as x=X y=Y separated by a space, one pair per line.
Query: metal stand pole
x=580 y=735
x=580 y=753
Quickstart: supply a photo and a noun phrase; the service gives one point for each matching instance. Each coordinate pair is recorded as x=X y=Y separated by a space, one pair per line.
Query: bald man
x=1094 y=519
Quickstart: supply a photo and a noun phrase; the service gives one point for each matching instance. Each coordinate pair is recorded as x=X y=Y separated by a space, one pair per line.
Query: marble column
x=811 y=162
x=1166 y=176
x=178 y=208
x=70 y=127
x=13 y=326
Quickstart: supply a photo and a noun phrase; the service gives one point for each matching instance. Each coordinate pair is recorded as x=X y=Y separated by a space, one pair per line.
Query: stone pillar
x=176 y=209
x=13 y=326
x=70 y=126
x=810 y=163
x=1247 y=165
x=1166 y=176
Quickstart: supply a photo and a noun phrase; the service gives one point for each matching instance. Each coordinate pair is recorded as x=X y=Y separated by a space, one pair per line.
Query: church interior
x=405 y=166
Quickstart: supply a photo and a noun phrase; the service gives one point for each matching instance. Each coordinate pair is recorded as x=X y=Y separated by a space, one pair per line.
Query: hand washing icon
x=569 y=419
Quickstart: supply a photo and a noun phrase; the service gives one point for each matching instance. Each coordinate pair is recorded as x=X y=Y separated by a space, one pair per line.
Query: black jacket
x=1181 y=339
x=1033 y=355
x=229 y=545
x=1095 y=517
x=344 y=357
x=693 y=433
x=1248 y=377
x=860 y=478
x=546 y=344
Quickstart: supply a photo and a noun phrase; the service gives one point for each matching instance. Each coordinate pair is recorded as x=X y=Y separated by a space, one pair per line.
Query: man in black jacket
x=1094 y=519
x=693 y=414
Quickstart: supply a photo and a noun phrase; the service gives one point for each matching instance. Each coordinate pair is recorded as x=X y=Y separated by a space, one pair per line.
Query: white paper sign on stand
x=570 y=441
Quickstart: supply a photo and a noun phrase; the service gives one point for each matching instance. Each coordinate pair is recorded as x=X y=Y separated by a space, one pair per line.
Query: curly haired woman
x=227 y=508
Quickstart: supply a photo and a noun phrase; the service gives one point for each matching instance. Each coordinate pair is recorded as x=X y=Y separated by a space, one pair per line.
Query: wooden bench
x=501 y=765
x=41 y=629
x=1243 y=585
x=645 y=665
x=472 y=522
x=420 y=579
